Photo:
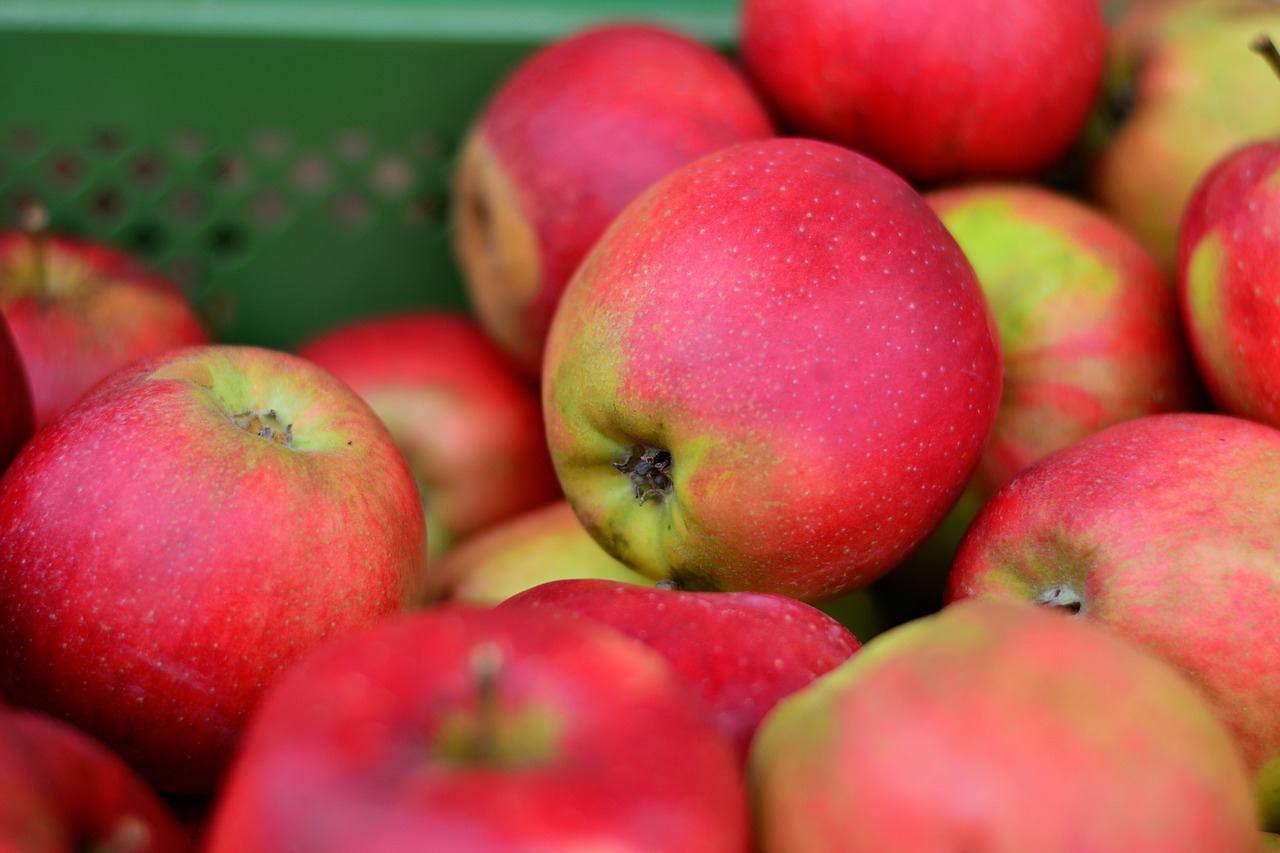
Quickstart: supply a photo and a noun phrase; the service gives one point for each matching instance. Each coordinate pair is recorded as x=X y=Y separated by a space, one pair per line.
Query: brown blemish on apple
x=1061 y=597
x=495 y=244
x=649 y=469
x=265 y=425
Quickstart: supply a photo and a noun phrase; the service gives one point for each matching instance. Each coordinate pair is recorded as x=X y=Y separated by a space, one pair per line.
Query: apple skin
x=1228 y=254
x=160 y=564
x=1091 y=333
x=999 y=727
x=469 y=425
x=1192 y=92
x=390 y=740
x=80 y=309
x=741 y=651
x=793 y=325
x=544 y=544
x=937 y=90
x=62 y=790
x=568 y=139
x=17 y=416
x=1165 y=529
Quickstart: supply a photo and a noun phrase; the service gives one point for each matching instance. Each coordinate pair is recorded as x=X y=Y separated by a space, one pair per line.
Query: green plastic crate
x=286 y=163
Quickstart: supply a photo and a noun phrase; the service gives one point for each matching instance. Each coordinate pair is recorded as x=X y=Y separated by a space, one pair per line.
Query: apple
x=544 y=544
x=1189 y=90
x=62 y=790
x=575 y=132
x=1228 y=254
x=469 y=425
x=175 y=539
x=1165 y=529
x=463 y=728
x=17 y=415
x=79 y=309
x=937 y=90
x=741 y=651
x=999 y=727
x=775 y=372
x=1270 y=841
x=1090 y=328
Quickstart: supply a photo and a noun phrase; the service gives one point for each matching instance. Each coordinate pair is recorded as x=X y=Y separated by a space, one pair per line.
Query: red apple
x=1189 y=90
x=1001 y=728
x=574 y=133
x=175 y=539
x=1091 y=335
x=17 y=414
x=62 y=790
x=469 y=425
x=938 y=90
x=741 y=651
x=80 y=309
x=775 y=372
x=544 y=544
x=1228 y=284
x=1166 y=529
x=478 y=730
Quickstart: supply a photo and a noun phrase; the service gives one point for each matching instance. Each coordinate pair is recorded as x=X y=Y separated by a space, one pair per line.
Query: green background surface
x=286 y=163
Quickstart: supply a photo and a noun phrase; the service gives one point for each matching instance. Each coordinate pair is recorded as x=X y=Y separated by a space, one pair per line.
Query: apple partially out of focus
x=469 y=425
x=483 y=730
x=1188 y=89
x=1228 y=255
x=574 y=133
x=174 y=540
x=741 y=651
x=1165 y=529
x=17 y=415
x=62 y=790
x=937 y=90
x=775 y=372
x=544 y=544
x=1091 y=333
x=999 y=727
x=79 y=309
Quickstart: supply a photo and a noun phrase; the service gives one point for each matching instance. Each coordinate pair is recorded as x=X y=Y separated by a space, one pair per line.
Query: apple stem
x=35 y=222
x=1262 y=44
x=486 y=665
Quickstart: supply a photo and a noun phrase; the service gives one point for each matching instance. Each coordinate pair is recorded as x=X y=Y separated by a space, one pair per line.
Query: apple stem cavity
x=265 y=425
x=1262 y=44
x=649 y=469
x=1061 y=597
x=491 y=735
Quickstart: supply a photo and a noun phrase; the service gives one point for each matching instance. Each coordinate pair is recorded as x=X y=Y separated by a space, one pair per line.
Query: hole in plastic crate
x=187 y=206
x=353 y=145
x=20 y=203
x=227 y=242
x=228 y=171
x=423 y=210
x=65 y=169
x=269 y=207
x=189 y=144
x=146 y=237
x=312 y=173
x=147 y=169
x=24 y=141
x=106 y=140
x=350 y=210
x=106 y=203
x=392 y=175
x=271 y=143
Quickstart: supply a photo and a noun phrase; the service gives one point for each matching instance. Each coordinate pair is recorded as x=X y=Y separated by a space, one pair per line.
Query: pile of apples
x=866 y=440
